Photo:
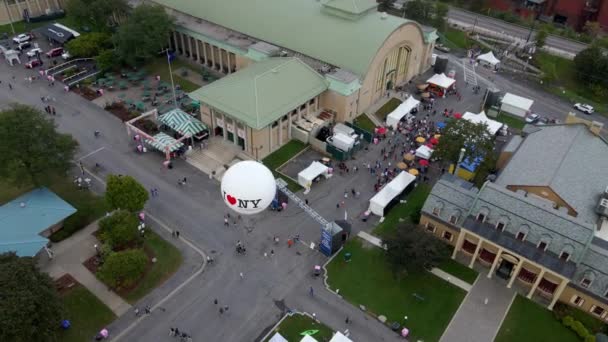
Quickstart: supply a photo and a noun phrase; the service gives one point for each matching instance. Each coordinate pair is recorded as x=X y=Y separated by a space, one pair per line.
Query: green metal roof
x=264 y=91
x=161 y=141
x=303 y=26
x=182 y=122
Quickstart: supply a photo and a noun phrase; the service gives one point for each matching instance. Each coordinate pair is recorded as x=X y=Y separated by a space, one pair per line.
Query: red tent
x=423 y=162
x=458 y=116
x=434 y=141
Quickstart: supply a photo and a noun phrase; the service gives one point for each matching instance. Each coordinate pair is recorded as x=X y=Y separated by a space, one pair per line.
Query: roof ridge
x=564 y=156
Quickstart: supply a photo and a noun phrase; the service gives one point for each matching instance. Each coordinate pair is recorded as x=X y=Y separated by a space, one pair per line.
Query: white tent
x=441 y=80
x=277 y=338
x=378 y=203
x=516 y=105
x=404 y=109
x=424 y=152
x=316 y=169
x=339 y=337
x=308 y=338
x=488 y=58
x=493 y=126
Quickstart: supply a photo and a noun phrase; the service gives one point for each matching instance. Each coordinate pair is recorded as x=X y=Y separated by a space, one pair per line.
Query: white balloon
x=248 y=187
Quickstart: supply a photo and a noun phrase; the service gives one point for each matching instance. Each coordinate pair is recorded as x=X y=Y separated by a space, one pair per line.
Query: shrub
x=119 y=230
x=73 y=224
x=123 y=269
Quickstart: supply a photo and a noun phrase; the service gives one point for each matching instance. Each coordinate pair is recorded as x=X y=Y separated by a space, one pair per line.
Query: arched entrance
x=507 y=265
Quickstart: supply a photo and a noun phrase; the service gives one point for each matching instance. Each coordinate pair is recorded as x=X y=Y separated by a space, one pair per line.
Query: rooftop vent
x=22 y=204
x=602 y=207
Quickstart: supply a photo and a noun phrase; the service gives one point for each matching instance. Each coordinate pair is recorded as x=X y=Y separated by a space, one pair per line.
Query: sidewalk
x=481 y=313
x=69 y=256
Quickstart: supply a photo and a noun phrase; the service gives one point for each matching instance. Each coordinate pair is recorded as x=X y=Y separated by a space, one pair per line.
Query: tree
x=123 y=269
x=31 y=309
x=89 y=45
x=120 y=229
x=591 y=67
x=32 y=151
x=144 y=34
x=441 y=12
x=410 y=249
x=420 y=11
x=458 y=134
x=592 y=28
x=478 y=5
x=98 y=15
x=124 y=192
x=541 y=38
x=106 y=60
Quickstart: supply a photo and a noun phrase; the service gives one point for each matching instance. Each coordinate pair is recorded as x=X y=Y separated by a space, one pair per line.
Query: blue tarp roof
x=471 y=166
x=22 y=220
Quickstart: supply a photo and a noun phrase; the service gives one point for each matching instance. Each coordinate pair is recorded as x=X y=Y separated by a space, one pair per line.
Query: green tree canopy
x=144 y=34
x=124 y=192
x=32 y=151
x=591 y=66
x=106 y=60
x=439 y=16
x=89 y=45
x=541 y=38
x=410 y=249
x=420 y=11
x=31 y=309
x=120 y=229
x=123 y=269
x=458 y=134
x=98 y=15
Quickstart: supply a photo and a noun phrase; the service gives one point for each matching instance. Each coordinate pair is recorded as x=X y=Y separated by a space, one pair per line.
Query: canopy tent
x=162 y=142
x=493 y=126
x=441 y=80
x=339 y=337
x=403 y=110
x=308 y=338
x=488 y=58
x=379 y=203
x=277 y=338
x=516 y=105
x=316 y=169
x=424 y=152
x=182 y=122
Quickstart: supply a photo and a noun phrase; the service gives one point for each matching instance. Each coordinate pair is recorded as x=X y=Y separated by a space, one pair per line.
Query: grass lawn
x=159 y=67
x=87 y=314
x=387 y=108
x=280 y=157
x=511 y=121
x=90 y=207
x=456 y=39
x=168 y=261
x=458 y=270
x=413 y=204
x=363 y=121
x=528 y=321
x=22 y=26
x=368 y=280
x=293 y=325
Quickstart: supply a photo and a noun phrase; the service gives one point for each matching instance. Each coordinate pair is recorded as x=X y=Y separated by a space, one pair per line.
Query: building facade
x=359 y=52
x=540 y=225
x=13 y=10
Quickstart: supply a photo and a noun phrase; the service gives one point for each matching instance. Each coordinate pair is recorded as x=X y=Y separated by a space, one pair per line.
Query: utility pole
x=166 y=51
x=530 y=33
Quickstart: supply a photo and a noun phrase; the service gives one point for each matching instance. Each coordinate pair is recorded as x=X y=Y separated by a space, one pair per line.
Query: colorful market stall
x=164 y=143
x=184 y=124
x=440 y=84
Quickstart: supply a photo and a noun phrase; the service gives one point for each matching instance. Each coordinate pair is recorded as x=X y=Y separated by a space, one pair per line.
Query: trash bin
x=347 y=257
x=395 y=326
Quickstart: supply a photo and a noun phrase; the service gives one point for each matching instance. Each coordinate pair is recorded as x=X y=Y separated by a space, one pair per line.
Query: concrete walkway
x=68 y=258
x=480 y=315
x=451 y=279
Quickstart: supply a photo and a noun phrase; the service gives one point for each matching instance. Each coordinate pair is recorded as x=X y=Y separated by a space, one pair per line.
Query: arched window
x=587 y=278
x=545 y=241
x=502 y=223
x=566 y=253
x=483 y=213
x=437 y=208
x=524 y=229
x=455 y=216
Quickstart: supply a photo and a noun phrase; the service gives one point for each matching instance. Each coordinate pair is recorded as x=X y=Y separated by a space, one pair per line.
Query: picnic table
x=140 y=106
x=123 y=85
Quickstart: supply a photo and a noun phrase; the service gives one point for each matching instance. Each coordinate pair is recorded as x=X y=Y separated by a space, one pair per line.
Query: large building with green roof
x=289 y=62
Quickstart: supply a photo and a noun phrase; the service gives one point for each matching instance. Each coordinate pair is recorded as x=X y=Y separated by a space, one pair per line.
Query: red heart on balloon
x=231 y=199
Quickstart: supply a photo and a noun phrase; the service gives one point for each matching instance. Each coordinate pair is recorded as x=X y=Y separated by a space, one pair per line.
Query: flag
x=170 y=56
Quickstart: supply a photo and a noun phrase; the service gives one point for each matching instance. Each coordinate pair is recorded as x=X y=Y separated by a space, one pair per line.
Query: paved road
x=521 y=32
x=257 y=301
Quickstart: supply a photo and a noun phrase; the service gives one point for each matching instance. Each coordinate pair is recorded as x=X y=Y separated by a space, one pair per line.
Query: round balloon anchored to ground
x=248 y=187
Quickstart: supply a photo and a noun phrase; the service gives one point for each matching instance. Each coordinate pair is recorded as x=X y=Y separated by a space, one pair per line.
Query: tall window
x=500 y=226
x=380 y=76
x=542 y=245
x=404 y=55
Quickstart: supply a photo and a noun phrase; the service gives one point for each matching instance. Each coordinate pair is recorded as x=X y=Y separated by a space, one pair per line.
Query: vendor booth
x=402 y=111
x=277 y=338
x=389 y=195
x=440 y=84
x=316 y=169
x=184 y=124
x=424 y=152
x=516 y=105
x=488 y=59
x=493 y=126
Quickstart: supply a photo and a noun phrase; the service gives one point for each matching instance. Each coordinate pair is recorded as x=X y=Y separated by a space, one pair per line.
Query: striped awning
x=161 y=141
x=182 y=122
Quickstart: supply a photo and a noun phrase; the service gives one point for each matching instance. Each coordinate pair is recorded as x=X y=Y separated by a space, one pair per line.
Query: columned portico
x=458 y=245
x=536 y=282
x=477 y=249
x=558 y=293
x=495 y=263
x=515 y=273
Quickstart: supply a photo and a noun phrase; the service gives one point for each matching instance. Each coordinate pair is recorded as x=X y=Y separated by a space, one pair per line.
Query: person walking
x=241 y=275
x=311 y=292
x=215 y=301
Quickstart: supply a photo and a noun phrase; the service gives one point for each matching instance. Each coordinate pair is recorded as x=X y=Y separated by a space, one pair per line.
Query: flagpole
x=171 y=75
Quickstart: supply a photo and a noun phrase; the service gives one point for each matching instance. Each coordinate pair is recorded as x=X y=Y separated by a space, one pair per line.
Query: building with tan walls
x=12 y=10
x=542 y=225
x=358 y=52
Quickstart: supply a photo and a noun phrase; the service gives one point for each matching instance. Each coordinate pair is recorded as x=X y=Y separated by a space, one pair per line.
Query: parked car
x=532 y=118
x=583 y=107
x=66 y=55
x=33 y=63
x=442 y=48
x=24 y=45
x=34 y=52
x=24 y=37
x=55 y=52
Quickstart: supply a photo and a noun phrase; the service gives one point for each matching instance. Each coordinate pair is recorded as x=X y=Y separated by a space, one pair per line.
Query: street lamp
x=460 y=158
x=527 y=62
